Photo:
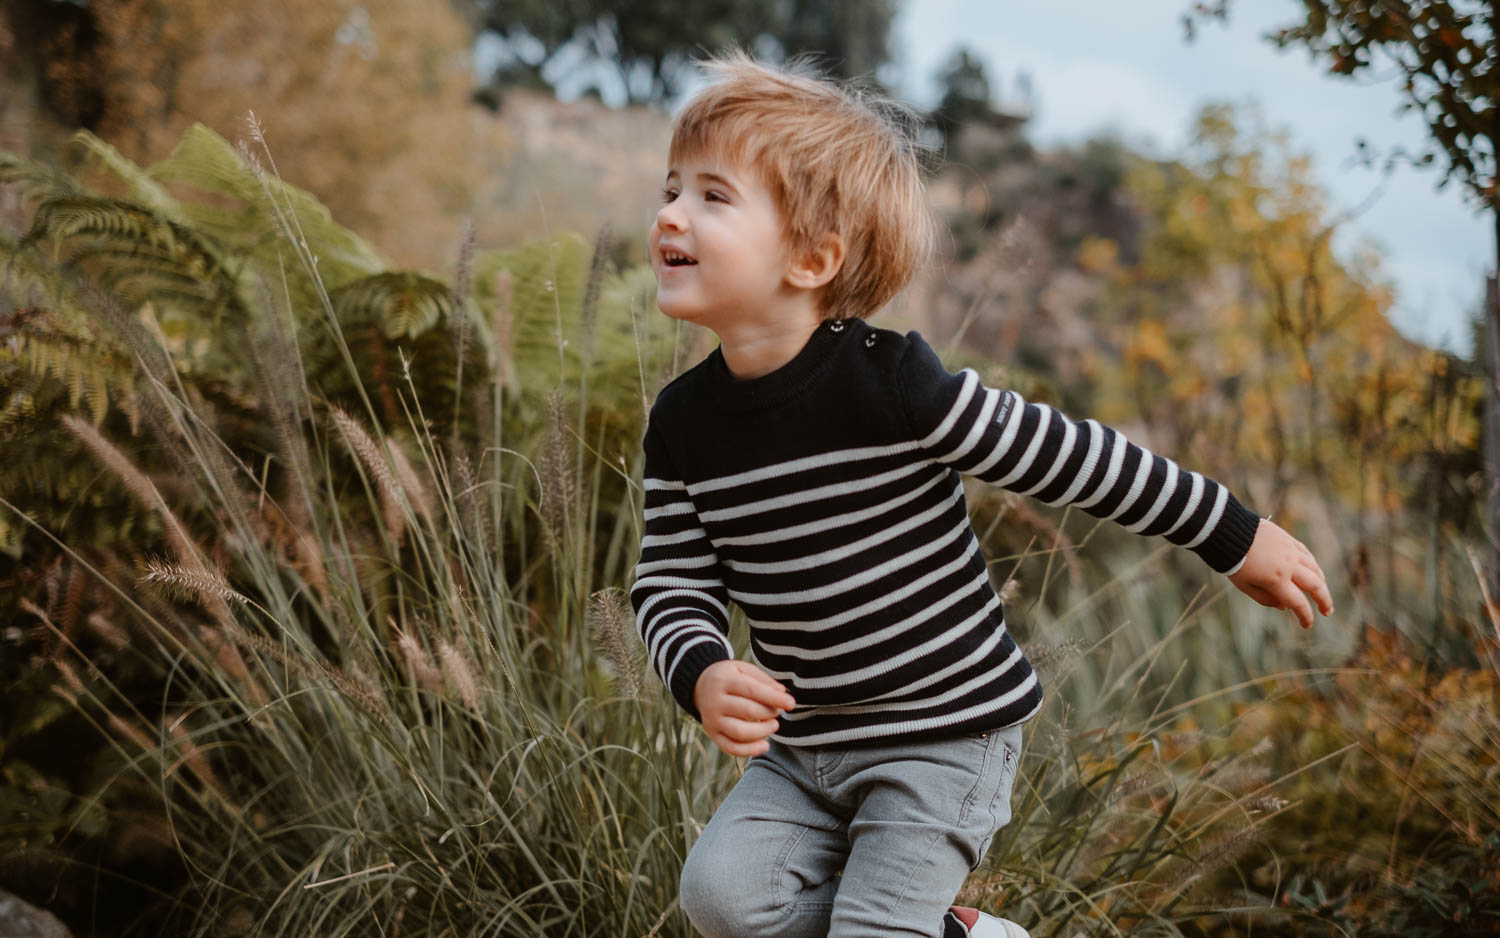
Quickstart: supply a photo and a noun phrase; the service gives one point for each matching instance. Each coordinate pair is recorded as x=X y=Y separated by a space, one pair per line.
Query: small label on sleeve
x=1003 y=411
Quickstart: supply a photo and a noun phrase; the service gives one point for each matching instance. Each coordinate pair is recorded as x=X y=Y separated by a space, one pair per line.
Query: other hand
x=1280 y=572
x=739 y=704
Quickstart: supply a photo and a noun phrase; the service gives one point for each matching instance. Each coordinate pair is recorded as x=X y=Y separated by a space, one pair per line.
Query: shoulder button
x=870 y=340
x=836 y=326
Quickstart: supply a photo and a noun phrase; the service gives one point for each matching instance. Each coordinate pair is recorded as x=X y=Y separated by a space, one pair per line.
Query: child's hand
x=1277 y=572
x=739 y=704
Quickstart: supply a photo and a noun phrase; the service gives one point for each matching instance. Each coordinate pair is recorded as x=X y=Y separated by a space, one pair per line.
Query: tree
x=368 y=104
x=1447 y=56
x=649 y=45
x=966 y=93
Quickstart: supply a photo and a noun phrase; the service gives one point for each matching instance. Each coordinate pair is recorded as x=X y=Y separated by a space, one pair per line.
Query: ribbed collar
x=739 y=395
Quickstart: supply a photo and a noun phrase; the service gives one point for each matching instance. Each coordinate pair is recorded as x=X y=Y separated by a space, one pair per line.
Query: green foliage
x=966 y=94
x=392 y=646
x=381 y=675
x=103 y=285
x=650 y=46
x=1444 y=54
x=220 y=408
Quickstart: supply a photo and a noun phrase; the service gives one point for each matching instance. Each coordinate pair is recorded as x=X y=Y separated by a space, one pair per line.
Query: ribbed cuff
x=1227 y=546
x=689 y=669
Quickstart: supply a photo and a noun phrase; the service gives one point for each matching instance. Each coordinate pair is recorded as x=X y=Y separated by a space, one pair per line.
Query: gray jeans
x=850 y=843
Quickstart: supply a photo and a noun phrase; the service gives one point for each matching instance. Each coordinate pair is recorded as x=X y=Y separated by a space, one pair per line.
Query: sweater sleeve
x=1035 y=450
x=679 y=595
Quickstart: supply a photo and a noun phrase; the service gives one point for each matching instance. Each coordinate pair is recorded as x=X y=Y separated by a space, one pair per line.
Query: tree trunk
x=1492 y=423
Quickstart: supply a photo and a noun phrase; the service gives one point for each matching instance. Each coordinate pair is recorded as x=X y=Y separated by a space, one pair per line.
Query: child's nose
x=669 y=217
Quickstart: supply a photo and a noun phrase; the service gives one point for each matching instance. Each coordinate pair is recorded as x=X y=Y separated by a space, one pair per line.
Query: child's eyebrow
x=710 y=177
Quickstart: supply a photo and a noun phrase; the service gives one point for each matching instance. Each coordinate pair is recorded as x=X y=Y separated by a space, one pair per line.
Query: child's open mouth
x=676 y=259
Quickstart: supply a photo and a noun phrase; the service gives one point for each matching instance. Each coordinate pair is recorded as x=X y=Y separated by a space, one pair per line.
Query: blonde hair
x=835 y=157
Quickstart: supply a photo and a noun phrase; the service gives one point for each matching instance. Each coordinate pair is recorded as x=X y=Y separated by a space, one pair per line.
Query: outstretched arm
x=1035 y=450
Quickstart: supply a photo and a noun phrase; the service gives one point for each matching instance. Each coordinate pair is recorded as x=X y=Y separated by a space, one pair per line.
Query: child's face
x=717 y=246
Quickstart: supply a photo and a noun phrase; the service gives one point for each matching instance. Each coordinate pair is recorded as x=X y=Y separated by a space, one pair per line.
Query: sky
x=1106 y=65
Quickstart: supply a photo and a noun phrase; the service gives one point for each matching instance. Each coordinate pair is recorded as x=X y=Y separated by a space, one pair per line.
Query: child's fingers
x=1309 y=578
x=748 y=708
x=1292 y=598
x=1308 y=556
x=744 y=731
x=760 y=686
x=742 y=750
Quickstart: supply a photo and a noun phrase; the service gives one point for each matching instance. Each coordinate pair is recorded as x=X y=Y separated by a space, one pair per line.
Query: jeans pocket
x=1005 y=765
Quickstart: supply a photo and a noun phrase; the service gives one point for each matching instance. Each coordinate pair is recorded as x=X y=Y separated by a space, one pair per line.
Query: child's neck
x=751 y=350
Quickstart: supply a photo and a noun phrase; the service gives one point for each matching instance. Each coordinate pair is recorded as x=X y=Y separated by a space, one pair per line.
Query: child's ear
x=818 y=266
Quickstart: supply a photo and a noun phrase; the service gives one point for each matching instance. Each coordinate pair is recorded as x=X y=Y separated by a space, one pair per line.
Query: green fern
x=197 y=277
x=36 y=180
x=205 y=160
x=401 y=304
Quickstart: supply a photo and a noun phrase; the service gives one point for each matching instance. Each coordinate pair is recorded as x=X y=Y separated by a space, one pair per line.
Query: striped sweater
x=825 y=500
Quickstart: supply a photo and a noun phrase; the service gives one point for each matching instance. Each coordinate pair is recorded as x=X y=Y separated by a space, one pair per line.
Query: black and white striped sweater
x=825 y=499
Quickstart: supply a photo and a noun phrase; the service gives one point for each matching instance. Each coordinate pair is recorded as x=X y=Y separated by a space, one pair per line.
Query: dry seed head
x=461 y=291
x=368 y=453
x=307 y=553
x=1269 y=804
x=1231 y=777
x=192 y=756
x=367 y=684
x=364 y=698
x=253 y=642
x=559 y=488
x=130 y=732
x=107 y=630
x=70 y=677
x=458 y=596
x=1049 y=656
x=459 y=675
x=1135 y=783
x=1010 y=591
x=252 y=123
x=609 y=619
x=44 y=632
x=202 y=583
x=588 y=316
x=416 y=658
x=1219 y=852
x=227 y=658
x=474 y=516
x=52 y=588
x=411 y=484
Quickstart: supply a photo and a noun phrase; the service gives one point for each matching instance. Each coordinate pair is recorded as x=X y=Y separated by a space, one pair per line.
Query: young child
x=809 y=469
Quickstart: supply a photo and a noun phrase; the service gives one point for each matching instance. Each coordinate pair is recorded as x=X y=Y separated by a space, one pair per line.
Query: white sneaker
x=963 y=921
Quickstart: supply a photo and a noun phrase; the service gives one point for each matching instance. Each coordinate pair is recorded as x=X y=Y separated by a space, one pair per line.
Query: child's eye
x=713 y=196
x=668 y=194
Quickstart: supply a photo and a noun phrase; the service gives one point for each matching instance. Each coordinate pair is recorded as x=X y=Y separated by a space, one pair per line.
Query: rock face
x=20 y=920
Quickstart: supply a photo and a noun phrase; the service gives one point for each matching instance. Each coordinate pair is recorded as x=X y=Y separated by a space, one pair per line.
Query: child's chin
x=677 y=310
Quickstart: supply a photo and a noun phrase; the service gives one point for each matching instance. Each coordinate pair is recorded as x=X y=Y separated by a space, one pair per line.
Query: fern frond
x=87 y=368
x=401 y=304
x=548 y=285
x=36 y=180
x=144 y=189
x=30 y=279
x=204 y=159
x=114 y=221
